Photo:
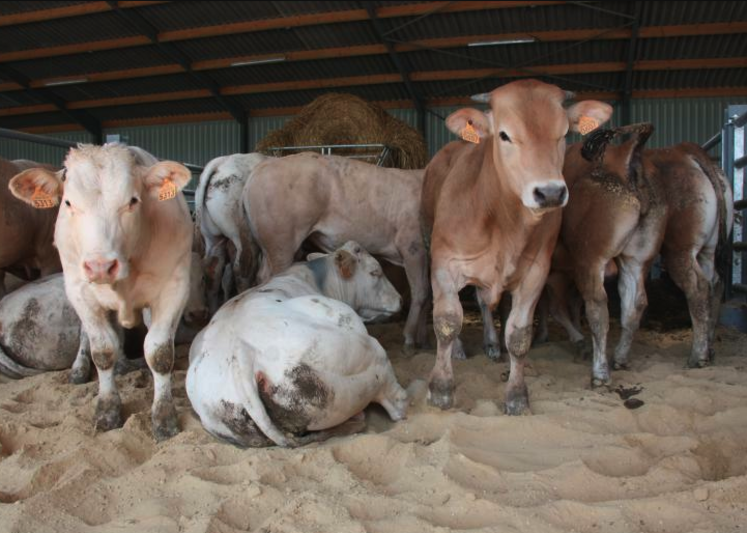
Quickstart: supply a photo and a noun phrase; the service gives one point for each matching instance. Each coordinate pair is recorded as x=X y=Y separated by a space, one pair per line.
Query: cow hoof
x=458 y=353
x=164 y=421
x=698 y=363
x=597 y=383
x=409 y=349
x=583 y=350
x=493 y=352
x=108 y=414
x=619 y=366
x=441 y=394
x=517 y=402
x=79 y=376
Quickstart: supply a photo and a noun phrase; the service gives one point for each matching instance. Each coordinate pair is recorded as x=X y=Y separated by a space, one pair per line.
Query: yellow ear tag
x=587 y=125
x=167 y=190
x=470 y=135
x=41 y=200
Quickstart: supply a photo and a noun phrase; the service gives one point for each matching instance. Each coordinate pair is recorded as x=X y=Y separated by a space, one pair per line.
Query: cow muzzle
x=546 y=196
x=103 y=271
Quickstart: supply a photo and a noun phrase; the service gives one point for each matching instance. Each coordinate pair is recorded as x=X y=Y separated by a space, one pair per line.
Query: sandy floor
x=583 y=462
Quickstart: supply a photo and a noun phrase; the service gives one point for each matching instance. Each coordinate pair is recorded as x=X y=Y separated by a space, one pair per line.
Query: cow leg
x=416 y=269
x=591 y=285
x=244 y=264
x=490 y=343
x=706 y=261
x=81 y=370
x=633 y=299
x=557 y=293
x=447 y=323
x=689 y=276
x=504 y=310
x=542 y=333
x=214 y=262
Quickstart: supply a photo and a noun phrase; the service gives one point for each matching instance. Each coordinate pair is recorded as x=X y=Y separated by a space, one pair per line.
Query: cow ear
x=314 y=255
x=588 y=115
x=38 y=187
x=345 y=263
x=459 y=121
x=164 y=179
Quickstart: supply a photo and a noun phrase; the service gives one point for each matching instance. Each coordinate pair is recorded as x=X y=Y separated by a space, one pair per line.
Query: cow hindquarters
x=447 y=323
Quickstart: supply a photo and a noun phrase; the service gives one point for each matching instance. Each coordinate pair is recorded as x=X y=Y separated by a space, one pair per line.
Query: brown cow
x=628 y=204
x=26 y=234
x=492 y=211
x=332 y=200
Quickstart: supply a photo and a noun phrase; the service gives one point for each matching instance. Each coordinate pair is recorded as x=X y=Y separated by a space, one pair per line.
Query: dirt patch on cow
x=582 y=462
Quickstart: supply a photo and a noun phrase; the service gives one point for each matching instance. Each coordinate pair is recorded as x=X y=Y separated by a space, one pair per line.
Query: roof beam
x=380 y=49
x=56 y=13
x=380 y=79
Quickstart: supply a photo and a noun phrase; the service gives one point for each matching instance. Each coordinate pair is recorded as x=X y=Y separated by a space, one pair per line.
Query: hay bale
x=347 y=119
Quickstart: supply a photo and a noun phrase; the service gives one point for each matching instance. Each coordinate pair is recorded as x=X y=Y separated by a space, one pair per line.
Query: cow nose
x=551 y=195
x=101 y=270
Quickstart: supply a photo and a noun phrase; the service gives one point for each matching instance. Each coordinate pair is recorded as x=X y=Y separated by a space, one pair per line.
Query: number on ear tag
x=470 y=135
x=42 y=200
x=587 y=125
x=167 y=190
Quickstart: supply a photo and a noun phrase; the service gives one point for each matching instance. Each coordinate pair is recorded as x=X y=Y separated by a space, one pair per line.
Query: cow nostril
x=563 y=194
x=113 y=268
x=539 y=196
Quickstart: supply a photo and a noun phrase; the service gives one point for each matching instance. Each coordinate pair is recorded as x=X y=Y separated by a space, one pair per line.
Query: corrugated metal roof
x=666 y=13
x=686 y=79
x=11 y=8
x=706 y=46
x=160 y=109
x=392 y=91
x=132 y=87
x=18 y=98
x=27 y=121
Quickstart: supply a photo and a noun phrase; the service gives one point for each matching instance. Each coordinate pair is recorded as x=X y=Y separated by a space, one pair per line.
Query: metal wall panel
x=13 y=149
x=259 y=127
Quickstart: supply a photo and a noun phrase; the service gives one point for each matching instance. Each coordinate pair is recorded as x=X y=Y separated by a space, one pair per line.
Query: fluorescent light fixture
x=266 y=60
x=65 y=82
x=504 y=41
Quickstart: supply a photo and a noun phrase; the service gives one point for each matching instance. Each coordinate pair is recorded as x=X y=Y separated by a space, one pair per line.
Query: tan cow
x=628 y=204
x=492 y=212
x=26 y=234
x=125 y=235
x=332 y=200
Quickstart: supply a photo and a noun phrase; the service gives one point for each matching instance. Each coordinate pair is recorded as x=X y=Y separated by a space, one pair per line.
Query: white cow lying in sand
x=40 y=331
x=290 y=362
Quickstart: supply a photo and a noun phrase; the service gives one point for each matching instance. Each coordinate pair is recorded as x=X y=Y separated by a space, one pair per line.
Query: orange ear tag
x=587 y=125
x=167 y=190
x=41 y=200
x=470 y=135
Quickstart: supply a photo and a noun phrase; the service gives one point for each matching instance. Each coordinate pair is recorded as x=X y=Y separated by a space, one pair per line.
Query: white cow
x=125 y=235
x=291 y=356
x=220 y=217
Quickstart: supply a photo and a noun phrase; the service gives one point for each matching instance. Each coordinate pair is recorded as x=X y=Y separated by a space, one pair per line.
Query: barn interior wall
x=676 y=120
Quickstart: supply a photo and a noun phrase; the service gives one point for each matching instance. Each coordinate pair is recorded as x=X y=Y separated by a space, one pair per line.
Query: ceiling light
x=263 y=61
x=524 y=40
x=65 y=82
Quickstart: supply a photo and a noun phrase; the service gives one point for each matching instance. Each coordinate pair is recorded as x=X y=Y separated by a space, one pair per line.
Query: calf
x=331 y=200
x=627 y=205
x=26 y=234
x=220 y=217
x=292 y=357
x=492 y=211
x=124 y=234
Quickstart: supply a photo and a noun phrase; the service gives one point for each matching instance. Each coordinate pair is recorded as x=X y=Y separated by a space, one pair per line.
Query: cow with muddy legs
x=26 y=234
x=492 y=210
x=125 y=236
x=290 y=362
x=40 y=331
x=330 y=200
x=220 y=217
x=627 y=205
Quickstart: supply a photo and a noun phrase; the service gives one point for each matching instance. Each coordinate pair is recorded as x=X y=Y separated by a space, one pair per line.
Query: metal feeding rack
x=377 y=154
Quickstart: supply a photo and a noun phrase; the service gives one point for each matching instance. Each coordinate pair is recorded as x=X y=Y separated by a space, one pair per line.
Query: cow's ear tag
x=587 y=125
x=41 y=200
x=167 y=191
x=469 y=133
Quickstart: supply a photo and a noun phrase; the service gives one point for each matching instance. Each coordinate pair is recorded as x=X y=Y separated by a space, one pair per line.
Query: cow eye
x=67 y=203
x=133 y=201
x=505 y=137
x=377 y=273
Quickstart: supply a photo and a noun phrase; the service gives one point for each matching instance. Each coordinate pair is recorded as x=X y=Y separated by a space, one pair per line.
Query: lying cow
x=492 y=210
x=220 y=217
x=330 y=200
x=628 y=204
x=26 y=234
x=124 y=234
x=287 y=362
x=40 y=331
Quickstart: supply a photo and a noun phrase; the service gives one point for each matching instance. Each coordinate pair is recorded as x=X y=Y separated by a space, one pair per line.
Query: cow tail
x=246 y=386
x=200 y=195
x=11 y=369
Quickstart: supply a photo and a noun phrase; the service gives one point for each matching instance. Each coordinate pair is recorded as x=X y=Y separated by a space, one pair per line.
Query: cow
x=330 y=200
x=124 y=234
x=290 y=362
x=26 y=234
x=628 y=204
x=491 y=210
x=220 y=217
x=40 y=331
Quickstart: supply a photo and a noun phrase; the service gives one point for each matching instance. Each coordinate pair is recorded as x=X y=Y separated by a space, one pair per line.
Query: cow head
x=359 y=282
x=105 y=192
x=526 y=128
